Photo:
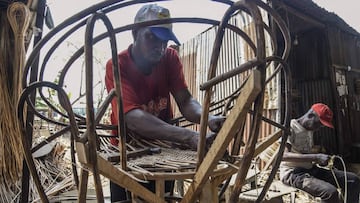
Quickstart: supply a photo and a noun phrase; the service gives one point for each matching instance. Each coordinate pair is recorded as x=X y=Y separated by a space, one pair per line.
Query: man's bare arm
x=321 y=159
x=188 y=106
x=149 y=126
x=191 y=110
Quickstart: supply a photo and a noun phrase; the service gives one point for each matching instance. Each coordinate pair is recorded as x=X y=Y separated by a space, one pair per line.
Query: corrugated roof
x=311 y=9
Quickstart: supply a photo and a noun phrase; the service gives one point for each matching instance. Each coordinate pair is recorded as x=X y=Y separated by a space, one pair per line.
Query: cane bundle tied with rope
x=14 y=24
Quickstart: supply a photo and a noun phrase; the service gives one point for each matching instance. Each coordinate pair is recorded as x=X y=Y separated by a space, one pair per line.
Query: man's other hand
x=322 y=159
x=215 y=123
x=210 y=137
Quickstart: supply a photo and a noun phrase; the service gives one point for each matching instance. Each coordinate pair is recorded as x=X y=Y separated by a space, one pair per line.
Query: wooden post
x=237 y=116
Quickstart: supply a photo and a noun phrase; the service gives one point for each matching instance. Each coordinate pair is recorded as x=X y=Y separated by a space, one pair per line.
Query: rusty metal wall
x=311 y=62
x=312 y=83
x=319 y=64
x=196 y=53
x=345 y=63
x=315 y=79
x=313 y=92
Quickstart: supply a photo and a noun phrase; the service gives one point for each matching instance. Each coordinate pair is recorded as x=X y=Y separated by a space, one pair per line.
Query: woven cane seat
x=161 y=160
x=167 y=160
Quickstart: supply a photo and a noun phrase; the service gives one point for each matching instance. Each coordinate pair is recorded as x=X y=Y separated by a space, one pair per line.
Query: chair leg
x=292 y=197
x=84 y=176
x=160 y=188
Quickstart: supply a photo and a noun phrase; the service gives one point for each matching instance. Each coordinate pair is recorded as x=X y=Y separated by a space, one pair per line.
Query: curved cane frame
x=250 y=96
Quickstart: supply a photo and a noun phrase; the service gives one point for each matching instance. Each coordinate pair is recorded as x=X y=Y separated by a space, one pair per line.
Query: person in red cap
x=303 y=168
x=150 y=71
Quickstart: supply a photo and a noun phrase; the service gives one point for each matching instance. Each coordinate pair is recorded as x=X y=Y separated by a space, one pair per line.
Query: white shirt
x=302 y=142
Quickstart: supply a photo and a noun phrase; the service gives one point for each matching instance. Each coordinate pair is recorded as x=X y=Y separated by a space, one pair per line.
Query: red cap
x=325 y=114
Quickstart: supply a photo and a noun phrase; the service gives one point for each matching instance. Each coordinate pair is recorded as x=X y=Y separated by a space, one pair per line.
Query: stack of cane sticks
x=14 y=24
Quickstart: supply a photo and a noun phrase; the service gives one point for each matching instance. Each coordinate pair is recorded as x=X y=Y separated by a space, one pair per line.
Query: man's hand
x=215 y=123
x=322 y=159
x=210 y=137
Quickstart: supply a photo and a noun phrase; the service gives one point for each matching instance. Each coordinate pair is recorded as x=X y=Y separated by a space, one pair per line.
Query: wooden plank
x=277 y=189
x=82 y=153
x=84 y=176
x=116 y=175
x=272 y=152
x=237 y=116
x=209 y=193
x=124 y=179
x=267 y=142
x=160 y=188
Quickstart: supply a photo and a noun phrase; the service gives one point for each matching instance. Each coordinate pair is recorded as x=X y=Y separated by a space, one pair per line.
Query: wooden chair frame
x=205 y=177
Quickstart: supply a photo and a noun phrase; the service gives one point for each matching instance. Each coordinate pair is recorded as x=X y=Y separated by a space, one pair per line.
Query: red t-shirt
x=147 y=92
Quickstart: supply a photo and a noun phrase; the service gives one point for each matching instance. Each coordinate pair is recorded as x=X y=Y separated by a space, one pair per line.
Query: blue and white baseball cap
x=154 y=12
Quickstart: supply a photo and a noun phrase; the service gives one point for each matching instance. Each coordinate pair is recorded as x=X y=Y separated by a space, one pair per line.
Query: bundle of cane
x=6 y=48
x=11 y=154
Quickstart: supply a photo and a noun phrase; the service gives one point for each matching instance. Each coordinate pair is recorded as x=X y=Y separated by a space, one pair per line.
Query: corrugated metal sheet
x=309 y=8
x=344 y=54
x=313 y=92
x=312 y=83
x=312 y=63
